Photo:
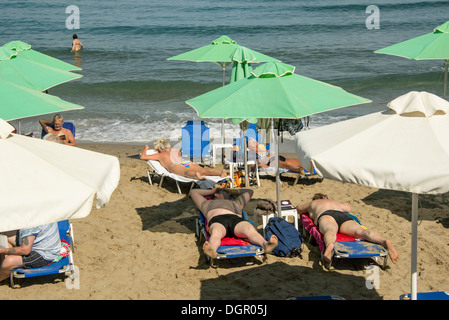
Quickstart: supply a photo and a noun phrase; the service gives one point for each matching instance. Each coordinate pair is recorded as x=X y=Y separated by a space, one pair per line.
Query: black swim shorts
x=339 y=216
x=34 y=260
x=229 y=221
x=272 y=161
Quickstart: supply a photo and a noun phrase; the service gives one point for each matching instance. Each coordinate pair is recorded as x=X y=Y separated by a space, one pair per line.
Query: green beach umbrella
x=223 y=51
x=31 y=74
x=18 y=102
x=273 y=91
x=24 y=51
x=431 y=46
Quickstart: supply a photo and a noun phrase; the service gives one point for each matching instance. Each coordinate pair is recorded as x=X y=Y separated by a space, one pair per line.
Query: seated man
x=265 y=159
x=171 y=160
x=55 y=127
x=330 y=216
x=224 y=218
x=30 y=248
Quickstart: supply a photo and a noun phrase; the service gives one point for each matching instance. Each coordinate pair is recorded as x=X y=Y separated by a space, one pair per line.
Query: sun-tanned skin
x=169 y=159
x=329 y=228
x=217 y=231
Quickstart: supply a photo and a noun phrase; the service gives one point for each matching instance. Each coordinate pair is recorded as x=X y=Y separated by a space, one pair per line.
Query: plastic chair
x=195 y=142
x=63 y=266
x=66 y=125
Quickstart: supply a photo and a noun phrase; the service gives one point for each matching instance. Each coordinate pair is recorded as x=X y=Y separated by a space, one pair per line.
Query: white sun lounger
x=160 y=171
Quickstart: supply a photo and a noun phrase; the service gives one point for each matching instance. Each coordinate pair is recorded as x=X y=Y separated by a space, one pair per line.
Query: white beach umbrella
x=43 y=181
x=404 y=148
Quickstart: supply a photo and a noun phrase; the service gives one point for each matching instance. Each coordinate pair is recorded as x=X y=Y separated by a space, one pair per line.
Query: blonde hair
x=162 y=144
x=58 y=117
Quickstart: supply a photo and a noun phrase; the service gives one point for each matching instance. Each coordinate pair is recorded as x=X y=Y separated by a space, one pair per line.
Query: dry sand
x=142 y=245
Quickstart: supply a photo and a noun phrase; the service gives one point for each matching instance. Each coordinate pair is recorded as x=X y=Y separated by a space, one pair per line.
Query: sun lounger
x=271 y=171
x=441 y=295
x=345 y=246
x=63 y=266
x=317 y=298
x=230 y=247
x=160 y=171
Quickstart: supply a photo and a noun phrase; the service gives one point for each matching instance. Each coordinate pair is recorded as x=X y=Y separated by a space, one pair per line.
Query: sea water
x=132 y=94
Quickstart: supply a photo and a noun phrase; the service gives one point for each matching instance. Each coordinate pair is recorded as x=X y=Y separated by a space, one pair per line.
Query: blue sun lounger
x=441 y=295
x=345 y=246
x=63 y=266
x=317 y=298
x=230 y=247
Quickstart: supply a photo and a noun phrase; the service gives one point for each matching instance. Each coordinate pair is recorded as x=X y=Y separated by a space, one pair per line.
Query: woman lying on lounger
x=171 y=160
x=224 y=218
x=265 y=159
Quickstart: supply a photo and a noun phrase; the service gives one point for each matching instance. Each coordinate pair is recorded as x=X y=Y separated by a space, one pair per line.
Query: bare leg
x=329 y=229
x=217 y=232
x=292 y=165
x=192 y=172
x=210 y=171
x=9 y=263
x=353 y=229
x=246 y=230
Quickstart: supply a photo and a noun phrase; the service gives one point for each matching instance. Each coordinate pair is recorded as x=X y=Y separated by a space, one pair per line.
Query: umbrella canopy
x=31 y=74
x=431 y=46
x=25 y=52
x=224 y=51
x=18 y=102
x=273 y=91
x=37 y=174
x=403 y=148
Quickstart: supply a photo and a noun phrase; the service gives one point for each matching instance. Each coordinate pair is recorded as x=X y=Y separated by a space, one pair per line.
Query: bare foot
x=270 y=245
x=327 y=256
x=391 y=251
x=209 y=251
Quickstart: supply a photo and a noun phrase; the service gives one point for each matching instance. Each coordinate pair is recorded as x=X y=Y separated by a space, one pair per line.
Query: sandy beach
x=142 y=245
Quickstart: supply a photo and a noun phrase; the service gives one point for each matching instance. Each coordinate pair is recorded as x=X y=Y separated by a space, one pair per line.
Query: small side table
x=214 y=150
x=286 y=212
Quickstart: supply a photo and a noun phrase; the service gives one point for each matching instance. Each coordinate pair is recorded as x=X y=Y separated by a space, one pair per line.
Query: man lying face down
x=224 y=218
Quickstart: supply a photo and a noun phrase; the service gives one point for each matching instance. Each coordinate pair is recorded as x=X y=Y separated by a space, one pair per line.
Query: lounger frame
x=63 y=266
x=347 y=248
x=225 y=251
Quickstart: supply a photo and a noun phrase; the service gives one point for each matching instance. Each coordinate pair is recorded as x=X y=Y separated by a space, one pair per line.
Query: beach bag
x=239 y=178
x=289 y=239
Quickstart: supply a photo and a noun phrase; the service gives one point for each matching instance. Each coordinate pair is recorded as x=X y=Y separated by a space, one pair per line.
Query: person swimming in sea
x=171 y=160
x=76 y=44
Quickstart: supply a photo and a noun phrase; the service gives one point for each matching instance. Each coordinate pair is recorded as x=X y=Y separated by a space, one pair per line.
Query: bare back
x=165 y=157
x=316 y=207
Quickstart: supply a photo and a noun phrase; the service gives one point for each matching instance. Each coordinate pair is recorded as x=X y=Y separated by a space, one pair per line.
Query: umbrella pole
x=278 y=177
x=445 y=78
x=245 y=159
x=223 y=69
x=414 y=257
